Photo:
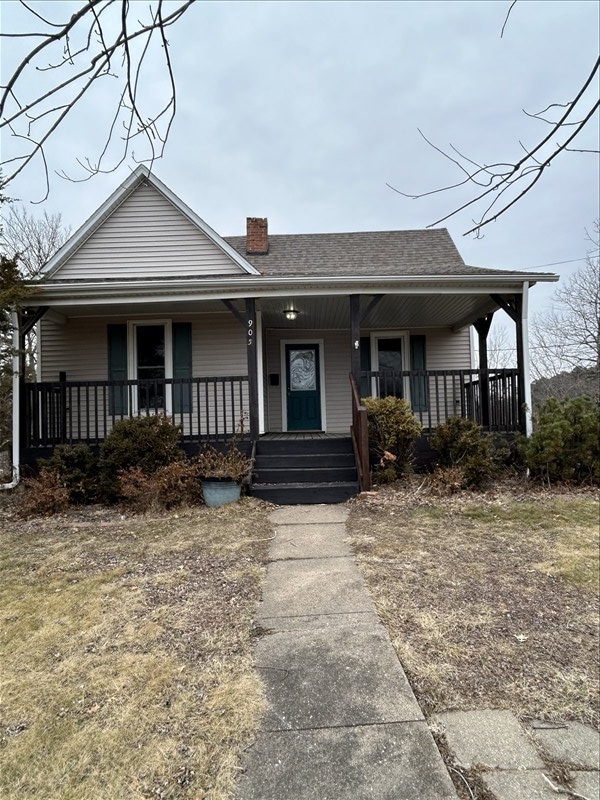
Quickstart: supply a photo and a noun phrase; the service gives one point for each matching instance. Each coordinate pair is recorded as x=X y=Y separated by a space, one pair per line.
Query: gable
x=147 y=236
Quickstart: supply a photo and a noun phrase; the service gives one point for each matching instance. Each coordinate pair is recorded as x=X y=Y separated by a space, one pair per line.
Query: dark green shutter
x=117 y=368
x=418 y=383
x=365 y=366
x=182 y=366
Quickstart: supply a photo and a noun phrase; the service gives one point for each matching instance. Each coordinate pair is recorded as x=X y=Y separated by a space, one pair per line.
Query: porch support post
x=523 y=378
x=355 y=337
x=252 y=365
x=482 y=326
x=518 y=311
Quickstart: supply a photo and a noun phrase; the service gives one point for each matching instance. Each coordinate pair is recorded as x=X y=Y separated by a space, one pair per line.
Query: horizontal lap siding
x=79 y=348
x=445 y=351
x=147 y=236
x=336 y=359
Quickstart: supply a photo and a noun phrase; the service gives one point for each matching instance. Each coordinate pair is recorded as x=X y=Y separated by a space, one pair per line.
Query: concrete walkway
x=342 y=721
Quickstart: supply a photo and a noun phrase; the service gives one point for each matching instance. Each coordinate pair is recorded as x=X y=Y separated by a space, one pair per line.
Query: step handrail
x=359 y=432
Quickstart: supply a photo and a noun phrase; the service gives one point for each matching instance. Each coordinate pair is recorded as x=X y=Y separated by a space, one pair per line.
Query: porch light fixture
x=290 y=313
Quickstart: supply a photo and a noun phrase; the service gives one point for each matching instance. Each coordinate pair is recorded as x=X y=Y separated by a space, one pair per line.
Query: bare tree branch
x=512 y=5
x=567 y=337
x=500 y=185
x=102 y=39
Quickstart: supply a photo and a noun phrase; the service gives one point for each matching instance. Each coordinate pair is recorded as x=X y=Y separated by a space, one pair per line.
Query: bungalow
x=146 y=309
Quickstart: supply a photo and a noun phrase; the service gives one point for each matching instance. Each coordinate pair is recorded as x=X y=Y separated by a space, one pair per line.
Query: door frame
x=132 y=326
x=304 y=340
x=405 y=338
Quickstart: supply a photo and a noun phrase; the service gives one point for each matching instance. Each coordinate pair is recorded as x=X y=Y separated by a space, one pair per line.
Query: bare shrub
x=173 y=485
x=44 y=495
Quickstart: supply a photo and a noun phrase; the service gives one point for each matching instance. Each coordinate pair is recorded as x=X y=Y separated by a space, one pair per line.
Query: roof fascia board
x=137 y=177
x=222 y=294
x=309 y=285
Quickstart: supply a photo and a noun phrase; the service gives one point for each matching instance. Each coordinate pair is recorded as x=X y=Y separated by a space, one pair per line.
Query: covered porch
x=395 y=341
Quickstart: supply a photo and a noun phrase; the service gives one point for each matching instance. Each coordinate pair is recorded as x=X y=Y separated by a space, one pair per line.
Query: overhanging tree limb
x=103 y=39
x=509 y=182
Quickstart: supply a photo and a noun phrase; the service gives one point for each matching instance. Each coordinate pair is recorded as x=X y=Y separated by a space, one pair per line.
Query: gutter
x=15 y=407
x=219 y=288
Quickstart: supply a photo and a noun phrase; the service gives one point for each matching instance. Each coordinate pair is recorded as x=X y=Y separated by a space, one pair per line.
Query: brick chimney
x=257 y=236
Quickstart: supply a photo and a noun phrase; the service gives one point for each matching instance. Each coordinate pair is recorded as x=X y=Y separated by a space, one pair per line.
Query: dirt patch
x=491 y=601
x=126 y=652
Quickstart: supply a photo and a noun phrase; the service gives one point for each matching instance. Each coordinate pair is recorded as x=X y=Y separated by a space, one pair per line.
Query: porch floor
x=301 y=436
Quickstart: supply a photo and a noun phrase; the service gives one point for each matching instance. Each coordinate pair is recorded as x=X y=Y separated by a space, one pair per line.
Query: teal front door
x=303 y=387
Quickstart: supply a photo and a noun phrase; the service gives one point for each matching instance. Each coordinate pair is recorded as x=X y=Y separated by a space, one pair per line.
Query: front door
x=303 y=387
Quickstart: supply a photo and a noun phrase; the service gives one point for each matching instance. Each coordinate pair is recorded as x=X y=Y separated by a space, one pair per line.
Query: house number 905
x=250 y=332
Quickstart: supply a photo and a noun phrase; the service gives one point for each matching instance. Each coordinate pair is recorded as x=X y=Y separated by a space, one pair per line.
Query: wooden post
x=355 y=337
x=482 y=326
x=517 y=310
x=252 y=366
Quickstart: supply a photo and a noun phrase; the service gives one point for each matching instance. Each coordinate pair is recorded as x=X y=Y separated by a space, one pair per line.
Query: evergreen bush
x=393 y=431
x=564 y=446
x=146 y=442
x=77 y=469
x=461 y=443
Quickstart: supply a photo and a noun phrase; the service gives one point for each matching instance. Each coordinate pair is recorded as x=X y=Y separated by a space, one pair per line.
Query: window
x=149 y=354
x=150 y=367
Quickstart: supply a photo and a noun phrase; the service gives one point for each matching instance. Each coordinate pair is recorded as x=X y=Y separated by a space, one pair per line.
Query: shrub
x=145 y=442
x=44 y=495
x=446 y=481
x=565 y=443
x=393 y=430
x=230 y=463
x=173 y=485
x=77 y=468
x=461 y=443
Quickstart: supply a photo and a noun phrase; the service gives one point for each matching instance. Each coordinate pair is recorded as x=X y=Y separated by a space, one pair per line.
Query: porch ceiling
x=314 y=312
x=392 y=311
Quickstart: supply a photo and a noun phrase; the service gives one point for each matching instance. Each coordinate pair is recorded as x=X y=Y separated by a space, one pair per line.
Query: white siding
x=445 y=350
x=79 y=346
x=146 y=237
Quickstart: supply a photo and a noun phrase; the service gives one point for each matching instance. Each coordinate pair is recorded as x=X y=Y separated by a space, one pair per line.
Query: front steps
x=304 y=471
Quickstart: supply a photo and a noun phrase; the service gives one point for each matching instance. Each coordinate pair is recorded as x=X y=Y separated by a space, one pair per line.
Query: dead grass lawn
x=491 y=600
x=125 y=652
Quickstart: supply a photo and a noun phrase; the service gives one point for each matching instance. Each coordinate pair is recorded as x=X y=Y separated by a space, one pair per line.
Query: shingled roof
x=416 y=252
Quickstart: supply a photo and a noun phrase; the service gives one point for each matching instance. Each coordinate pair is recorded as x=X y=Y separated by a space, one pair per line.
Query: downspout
x=524 y=322
x=16 y=373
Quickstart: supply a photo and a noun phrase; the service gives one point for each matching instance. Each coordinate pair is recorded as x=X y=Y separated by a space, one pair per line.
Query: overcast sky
x=303 y=112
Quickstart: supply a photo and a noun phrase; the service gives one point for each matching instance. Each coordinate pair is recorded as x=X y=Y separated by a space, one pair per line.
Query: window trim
x=404 y=336
x=132 y=326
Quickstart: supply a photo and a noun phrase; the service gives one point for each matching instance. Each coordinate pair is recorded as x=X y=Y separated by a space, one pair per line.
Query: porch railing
x=71 y=412
x=489 y=397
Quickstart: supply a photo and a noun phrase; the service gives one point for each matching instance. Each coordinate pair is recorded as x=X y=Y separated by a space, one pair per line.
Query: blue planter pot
x=220 y=493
